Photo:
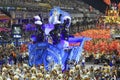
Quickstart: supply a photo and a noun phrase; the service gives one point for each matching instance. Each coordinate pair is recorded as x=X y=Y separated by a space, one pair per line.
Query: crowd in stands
x=14 y=66
x=82 y=23
x=24 y=72
x=14 y=60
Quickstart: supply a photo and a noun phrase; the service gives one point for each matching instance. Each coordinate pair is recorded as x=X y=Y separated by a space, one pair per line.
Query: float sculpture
x=58 y=51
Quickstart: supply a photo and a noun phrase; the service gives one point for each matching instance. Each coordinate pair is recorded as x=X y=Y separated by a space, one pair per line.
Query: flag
x=108 y=2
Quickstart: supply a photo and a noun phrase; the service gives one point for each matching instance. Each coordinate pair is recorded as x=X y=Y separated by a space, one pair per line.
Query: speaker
x=16 y=30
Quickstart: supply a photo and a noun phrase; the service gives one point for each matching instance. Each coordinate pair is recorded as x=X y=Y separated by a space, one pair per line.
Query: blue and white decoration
x=50 y=54
x=58 y=16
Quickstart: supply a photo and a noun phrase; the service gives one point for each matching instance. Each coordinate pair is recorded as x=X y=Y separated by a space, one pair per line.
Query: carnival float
x=51 y=42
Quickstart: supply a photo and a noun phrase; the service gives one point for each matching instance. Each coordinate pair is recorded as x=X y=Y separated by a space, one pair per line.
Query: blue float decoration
x=59 y=16
x=50 y=54
x=43 y=53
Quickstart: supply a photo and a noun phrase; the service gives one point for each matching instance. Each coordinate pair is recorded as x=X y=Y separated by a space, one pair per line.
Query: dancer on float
x=54 y=19
x=39 y=34
x=61 y=21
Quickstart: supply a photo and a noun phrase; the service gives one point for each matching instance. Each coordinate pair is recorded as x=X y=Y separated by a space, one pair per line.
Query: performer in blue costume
x=61 y=21
x=39 y=33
